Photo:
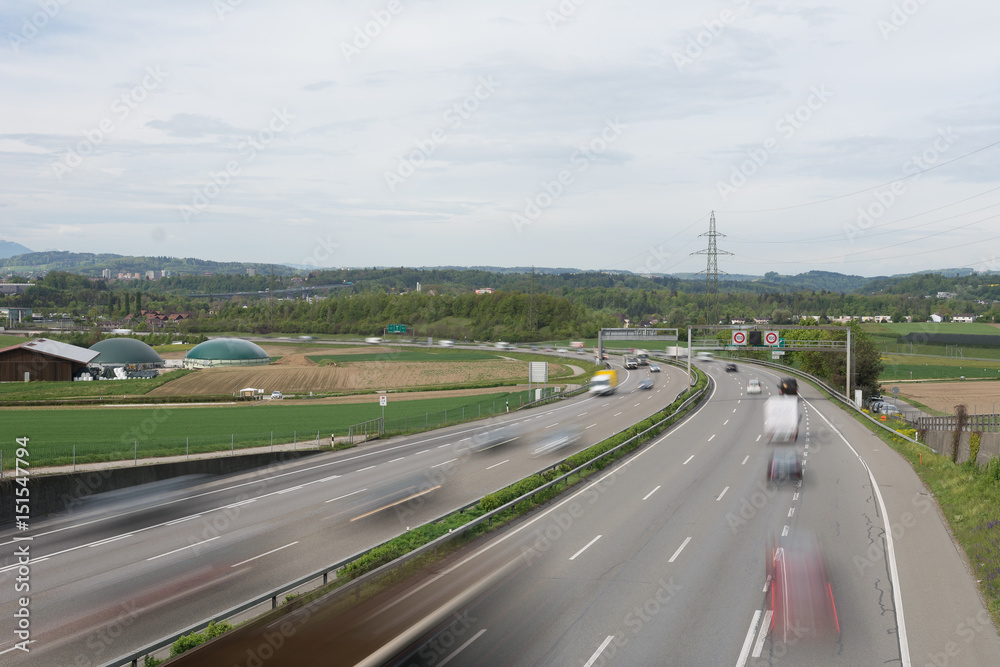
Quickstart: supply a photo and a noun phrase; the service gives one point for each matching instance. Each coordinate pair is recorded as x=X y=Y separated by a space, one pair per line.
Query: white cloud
x=688 y=129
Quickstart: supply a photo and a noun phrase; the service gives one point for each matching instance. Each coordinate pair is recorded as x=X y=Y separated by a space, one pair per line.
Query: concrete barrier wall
x=49 y=494
x=940 y=442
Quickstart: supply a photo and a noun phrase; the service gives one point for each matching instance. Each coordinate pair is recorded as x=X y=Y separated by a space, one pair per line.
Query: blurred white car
x=373 y=339
x=446 y=343
x=654 y=368
x=753 y=386
x=276 y=394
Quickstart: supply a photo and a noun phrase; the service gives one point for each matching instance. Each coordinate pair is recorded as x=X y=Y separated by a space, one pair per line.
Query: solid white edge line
x=196 y=544
x=904 y=649
x=722 y=494
x=745 y=653
x=597 y=653
x=765 y=625
x=688 y=460
x=177 y=521
x=646 y=497
x=291 y=544
x=498 y=464
x=345 y=495
x=462 y=647
x=679 y=550
x=14 y=648
x=110 y=539
x=589 y=544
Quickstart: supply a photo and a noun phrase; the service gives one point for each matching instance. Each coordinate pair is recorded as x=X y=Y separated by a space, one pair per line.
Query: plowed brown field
x=978 y=396
x=363 y=376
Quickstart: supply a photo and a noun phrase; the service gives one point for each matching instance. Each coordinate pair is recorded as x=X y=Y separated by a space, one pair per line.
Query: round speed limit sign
x=771 y=338
x=739 y=338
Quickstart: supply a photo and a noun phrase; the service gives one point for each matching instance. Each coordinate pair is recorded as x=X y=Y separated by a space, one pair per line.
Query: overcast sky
x=857 y=136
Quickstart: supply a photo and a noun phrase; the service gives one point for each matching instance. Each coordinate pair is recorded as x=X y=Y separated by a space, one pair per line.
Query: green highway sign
x=397 y=328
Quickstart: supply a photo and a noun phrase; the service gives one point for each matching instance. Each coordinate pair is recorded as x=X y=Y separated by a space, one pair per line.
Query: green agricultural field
x=900 y=367
x=8 y=341
x=43 y=391
x=104 y=434
x=903 y=328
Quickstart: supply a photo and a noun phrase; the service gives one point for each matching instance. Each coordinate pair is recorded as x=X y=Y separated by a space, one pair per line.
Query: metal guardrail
x=134 y=657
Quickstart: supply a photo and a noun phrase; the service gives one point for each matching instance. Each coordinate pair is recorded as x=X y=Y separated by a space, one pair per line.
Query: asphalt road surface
x=664 y=561
x=125 y=569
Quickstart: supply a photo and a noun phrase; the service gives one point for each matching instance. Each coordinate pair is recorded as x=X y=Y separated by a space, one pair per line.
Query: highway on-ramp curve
x=663 y=561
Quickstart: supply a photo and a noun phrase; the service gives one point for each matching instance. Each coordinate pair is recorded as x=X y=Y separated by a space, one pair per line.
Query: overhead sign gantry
x=647 y=334
x=750 y=337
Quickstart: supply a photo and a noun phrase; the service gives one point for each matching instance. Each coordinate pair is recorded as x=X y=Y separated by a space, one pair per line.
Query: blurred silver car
x=558 y=439
x=495 y=435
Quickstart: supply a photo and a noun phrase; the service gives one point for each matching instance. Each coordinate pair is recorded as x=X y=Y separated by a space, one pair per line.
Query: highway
x=663 y=561
x=127 y=568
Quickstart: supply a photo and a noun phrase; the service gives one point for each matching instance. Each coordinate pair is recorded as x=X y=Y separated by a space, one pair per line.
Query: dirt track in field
x=979 y=396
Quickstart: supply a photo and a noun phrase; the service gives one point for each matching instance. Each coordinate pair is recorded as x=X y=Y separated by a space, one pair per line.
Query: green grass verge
x=970 y=500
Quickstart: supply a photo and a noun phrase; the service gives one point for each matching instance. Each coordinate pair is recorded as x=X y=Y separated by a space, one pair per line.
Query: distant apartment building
x=946 y=295
x=967 y=319
x=106 y=273
x=484 y=290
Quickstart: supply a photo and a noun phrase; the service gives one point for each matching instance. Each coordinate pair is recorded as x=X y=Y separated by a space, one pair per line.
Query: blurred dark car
x=785 y=464
x=646 y=383
x=788 y=387
x=731 y=368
